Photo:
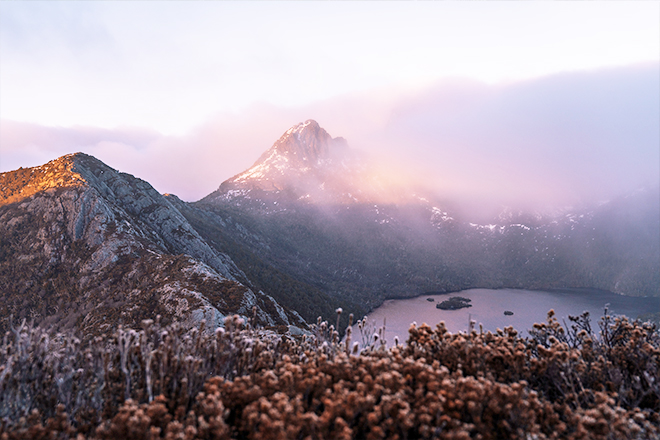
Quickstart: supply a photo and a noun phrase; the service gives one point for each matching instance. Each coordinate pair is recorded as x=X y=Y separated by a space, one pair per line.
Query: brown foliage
x=560 y=383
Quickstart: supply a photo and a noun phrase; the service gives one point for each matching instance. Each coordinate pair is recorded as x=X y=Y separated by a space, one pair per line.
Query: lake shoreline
x=541 y=289
x=489 y=306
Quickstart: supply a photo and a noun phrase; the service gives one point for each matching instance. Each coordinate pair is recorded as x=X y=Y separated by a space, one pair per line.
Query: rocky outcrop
x=82 y=245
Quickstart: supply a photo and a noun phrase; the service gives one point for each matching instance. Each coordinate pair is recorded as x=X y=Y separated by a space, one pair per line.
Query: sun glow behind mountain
x=551 y=103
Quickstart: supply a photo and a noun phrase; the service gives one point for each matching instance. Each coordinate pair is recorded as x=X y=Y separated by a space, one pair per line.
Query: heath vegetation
x=242 y=382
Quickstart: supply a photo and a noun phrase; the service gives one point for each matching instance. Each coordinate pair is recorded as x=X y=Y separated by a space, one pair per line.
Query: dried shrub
x=562 y=382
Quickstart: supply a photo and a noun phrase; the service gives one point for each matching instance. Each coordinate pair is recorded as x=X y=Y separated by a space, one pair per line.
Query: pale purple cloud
x=560 y=139
x=567 y=137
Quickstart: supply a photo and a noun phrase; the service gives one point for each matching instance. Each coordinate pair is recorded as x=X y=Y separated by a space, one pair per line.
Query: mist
x=564 y=139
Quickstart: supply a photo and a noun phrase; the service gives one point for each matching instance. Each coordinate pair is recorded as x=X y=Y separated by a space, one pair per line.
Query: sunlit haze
x=551 y=102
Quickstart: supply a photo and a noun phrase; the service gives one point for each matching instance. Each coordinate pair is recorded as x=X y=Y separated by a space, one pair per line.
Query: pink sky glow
x=553 y=102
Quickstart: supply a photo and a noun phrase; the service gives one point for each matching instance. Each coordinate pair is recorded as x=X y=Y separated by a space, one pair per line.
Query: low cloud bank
x=563 y=139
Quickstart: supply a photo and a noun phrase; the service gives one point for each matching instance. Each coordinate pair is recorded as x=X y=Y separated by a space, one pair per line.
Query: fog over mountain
x=307 y=228
x=559 y=140
x=208 y=209
x=567 y=138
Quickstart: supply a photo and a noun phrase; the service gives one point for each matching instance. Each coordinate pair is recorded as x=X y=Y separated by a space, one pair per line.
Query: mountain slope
x=361 y=250
x=85 y=246
x=226 y=231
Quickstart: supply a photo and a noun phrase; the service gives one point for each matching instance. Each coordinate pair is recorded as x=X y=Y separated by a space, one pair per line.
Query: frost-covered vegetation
x=246 y=383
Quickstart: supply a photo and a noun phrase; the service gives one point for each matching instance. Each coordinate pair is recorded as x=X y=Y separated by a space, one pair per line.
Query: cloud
x=41 y=33
x=560 y=139
x=565 y=137
x=190 y=166
x=169 y=65
x=26 y=144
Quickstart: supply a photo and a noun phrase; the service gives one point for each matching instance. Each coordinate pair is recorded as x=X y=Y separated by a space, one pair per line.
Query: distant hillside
x=320 y=224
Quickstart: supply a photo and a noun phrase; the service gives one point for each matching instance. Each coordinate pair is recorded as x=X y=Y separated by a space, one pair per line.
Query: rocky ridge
x=84 y=246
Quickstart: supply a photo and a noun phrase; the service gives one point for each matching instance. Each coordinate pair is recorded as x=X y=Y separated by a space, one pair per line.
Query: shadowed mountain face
x=304 y=209
x=302 y=232
x=84 y=246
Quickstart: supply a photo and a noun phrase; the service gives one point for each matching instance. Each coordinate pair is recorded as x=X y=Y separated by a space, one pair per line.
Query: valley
x=296 y=236
x=360 y=249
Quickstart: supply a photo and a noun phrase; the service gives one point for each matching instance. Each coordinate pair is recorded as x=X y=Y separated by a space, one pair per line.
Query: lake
x=488 y=308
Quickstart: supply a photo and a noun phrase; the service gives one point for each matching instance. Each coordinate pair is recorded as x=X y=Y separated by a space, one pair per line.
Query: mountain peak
x=24 y=182
x=301 y=149
x=305 y=144
x=305 y=162
x=70 y=170
x=312 y=124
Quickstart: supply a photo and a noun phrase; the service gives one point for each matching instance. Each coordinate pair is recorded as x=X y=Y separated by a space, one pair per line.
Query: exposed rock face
x=83 y=245
x=305 y=145
x=306 y=165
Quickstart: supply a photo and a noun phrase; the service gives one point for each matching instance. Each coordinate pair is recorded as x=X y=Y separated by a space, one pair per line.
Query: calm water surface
x=488 y=308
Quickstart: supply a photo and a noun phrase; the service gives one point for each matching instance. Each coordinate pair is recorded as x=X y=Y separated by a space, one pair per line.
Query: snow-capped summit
x=301 y=148
x=308 y=144
x=304 y=163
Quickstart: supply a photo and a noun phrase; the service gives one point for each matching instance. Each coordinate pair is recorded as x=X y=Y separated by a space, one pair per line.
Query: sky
x=554 y=102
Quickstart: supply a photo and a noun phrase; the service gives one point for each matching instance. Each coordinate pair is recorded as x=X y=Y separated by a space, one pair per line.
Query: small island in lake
x=508 y=312
x=430 y=299
x=454 y=303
